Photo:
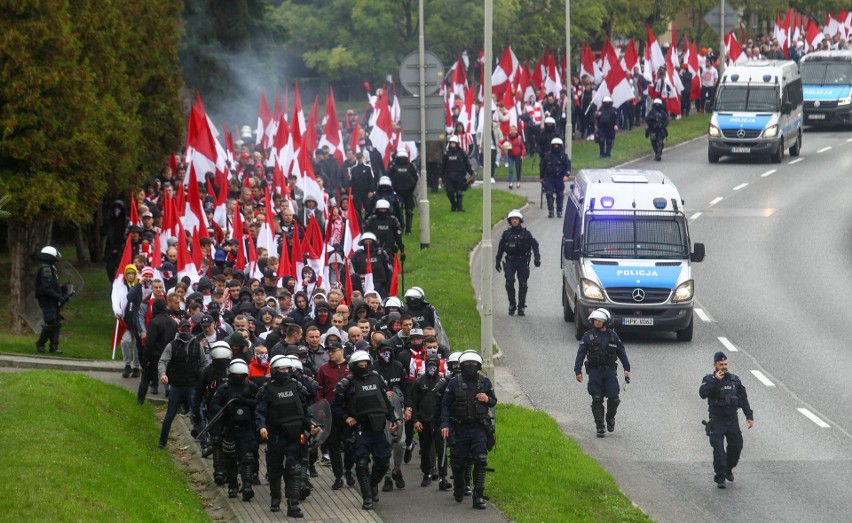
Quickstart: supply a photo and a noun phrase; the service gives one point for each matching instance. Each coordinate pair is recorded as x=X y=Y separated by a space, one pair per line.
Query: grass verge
x=83 y=450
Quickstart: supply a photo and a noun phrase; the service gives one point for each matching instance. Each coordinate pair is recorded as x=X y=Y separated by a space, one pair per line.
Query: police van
x=827 y=87
x=757 y=111
x=626 y=247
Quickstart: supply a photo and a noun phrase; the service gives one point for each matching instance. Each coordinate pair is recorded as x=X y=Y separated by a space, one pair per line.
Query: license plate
x=816 y=117
x=637 y=321
x=740 y=149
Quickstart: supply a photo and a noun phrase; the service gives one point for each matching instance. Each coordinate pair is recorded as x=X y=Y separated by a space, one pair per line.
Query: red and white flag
x=352 y=233
x=185 y=264
x=238 y=234
x=332 y=136
x=397 y=270
x=733 y=50
x=466 y=115
x=695 y=91
x=309 y=136
x=134 y=211
x=369 y=286
x=119 y=289
x=813 y=36
x=459 y=79
x=631 y=57
x=673 y=88
x=615 y=84
x=553 y=80
x=194 y=218
x=201 y=147
x=655 y=52
x=303 y=168
x=504 y=74
x=253 y=269
x=264 y=118
x=298 y=114
x=266 y=234
x=382 y=133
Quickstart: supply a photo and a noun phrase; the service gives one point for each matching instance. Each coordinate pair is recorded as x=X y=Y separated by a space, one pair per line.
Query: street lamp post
x=486 y=252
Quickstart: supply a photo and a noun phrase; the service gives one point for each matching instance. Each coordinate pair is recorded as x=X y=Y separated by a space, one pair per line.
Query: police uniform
x=518 y=244
x=239 y=443
x=404 y=178
x=50 y=299
x=554 y=166
x=387 y=229
x=454 y=171
x=607 y=120
x=658 y=122
x=211 y=378
x=724 y=397
x=282 y=409
x=601 y=350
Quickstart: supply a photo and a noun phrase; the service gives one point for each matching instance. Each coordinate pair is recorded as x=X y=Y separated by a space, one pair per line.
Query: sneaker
x=350 y=479
x=255 y=479
x=720 y=484
x=397 y=479
x=729 y=476
x=337 y=485
x=492 y=178
x=312 y=470
x=510 y=186
x=55 y=351
x=444 y=484
x=126 y=373
x=135 y=373
x=388 y=486
x=407 y=457
x=161 y=445
x=275 y=505
x=521 y=311
x=427 y=480
x=375 y=491
x=153 y=391
x=550 y=214
x=40 y=349
x=517 y=185
x=511 y=311
x=325 y=461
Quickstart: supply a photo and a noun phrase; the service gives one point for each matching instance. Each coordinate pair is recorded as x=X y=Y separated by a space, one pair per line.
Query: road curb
x=22 y=361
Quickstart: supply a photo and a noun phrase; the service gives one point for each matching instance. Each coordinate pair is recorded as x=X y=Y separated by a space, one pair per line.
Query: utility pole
x=568 y=86
x=423 y=203
x=486 y=251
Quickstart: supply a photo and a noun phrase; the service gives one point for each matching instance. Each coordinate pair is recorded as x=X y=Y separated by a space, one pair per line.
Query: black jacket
x=161 y=330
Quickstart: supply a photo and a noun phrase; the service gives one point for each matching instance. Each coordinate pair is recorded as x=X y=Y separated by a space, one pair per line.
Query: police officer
x=239 y=444
x=454 y=171
x=554 y=168
x=453 y=371
x=50 y=299
x=601 y=348
x=725 y=394
x=380 y=263
x=421 y=311
x=361 y=399
x=657 y=130
x=363 y=184
x=549 y=132
x=518 y=244
x=211 y=378
x=465 y=418
x=386 y=227
x=385 y=191
x=607 y=121
x=403 y=175
x=282 y=419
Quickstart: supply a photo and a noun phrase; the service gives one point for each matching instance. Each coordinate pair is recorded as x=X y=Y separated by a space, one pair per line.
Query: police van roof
x=761 y=71
x=626 y=189
x=840 y=55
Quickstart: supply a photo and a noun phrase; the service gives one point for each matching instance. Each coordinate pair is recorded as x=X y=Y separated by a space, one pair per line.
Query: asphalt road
x=774 y=295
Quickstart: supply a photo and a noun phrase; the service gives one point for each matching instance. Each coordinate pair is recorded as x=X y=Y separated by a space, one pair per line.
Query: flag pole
x=115 y=338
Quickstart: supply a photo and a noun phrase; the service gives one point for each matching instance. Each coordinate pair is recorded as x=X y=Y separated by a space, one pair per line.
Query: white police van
x=827 y=87
x=758 y=110
x=626 y=247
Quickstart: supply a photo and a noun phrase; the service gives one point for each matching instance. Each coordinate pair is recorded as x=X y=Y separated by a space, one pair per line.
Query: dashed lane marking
x=823 y=150
x=695 y=216
x=762 y=378
x=714 y=201
x=797 y=160
x=770 y=172
x=849 y=140
x=813 y=417
x=702 y=315
x=740 y=186
x=727 y=343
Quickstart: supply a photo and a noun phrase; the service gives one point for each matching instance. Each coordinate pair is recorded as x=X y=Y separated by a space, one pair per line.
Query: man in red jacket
x=513 y=145
x=327 y=377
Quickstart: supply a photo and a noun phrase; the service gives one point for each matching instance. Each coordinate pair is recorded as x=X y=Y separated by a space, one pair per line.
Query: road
x=774 y=295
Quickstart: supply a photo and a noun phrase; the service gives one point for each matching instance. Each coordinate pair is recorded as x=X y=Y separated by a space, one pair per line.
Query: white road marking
x=702 y=315
x=769 y=173
x=740 y=186
x=849 y=140
x=695 y=216
x=762 y=378
x=823 y=149
x=716 y=200
x=727 y=343
x=811 y=416
x=797 y=160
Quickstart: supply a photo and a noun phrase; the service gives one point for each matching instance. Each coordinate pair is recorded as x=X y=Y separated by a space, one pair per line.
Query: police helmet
x=297 y=363
x=220 y=350
x=51 y=251
x=549 y=120
x=414 y=293
x=657 y=101
x=367 y=236
x=607 y=99
x=357 y=357
x=402 y=153
x=454 y=139
x=514 y=213
x=600 y=314
x=280 y=362
x=383 y=204
x=471 y=355
x=420 y=290
x=393 y=301
x=454 y=357
x=237 y=367
x=556 y=141
x=384 y=180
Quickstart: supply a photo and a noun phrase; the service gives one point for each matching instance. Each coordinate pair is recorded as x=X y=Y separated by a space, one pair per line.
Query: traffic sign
x=410 y=118
x=714 y=18
x=409 y=73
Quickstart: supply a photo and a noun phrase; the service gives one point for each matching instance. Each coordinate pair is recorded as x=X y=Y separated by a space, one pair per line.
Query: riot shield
x=69 y=280
x=395 y=435
x=441 y=334
x=320 y=413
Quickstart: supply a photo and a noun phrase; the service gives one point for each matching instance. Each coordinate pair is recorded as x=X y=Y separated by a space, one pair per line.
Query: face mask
x=386 y=356
x=236 y=380
x=361 y=371
x=221 y=363
x=469 y=371
x=184 y=336
x=431 y=369
x=416 y=346
x=432 y=350
x=262 y=358
x=281 y=375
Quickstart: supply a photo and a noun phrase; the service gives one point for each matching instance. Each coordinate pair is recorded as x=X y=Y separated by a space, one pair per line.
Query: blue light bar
x=607 y=202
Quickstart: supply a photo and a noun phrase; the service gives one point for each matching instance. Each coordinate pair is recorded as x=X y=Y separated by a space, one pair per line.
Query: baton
x=444 y=456
x=215 y=418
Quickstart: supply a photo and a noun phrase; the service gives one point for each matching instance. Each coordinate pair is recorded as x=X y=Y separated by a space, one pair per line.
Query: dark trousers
x=554 y=186
x=177 y=396
x=339 y=454
x=149 y=375
x=280 y=452
x=432 y=447
x=603 y=383
x=51 y=327
x=707 y=95
x=606 y=141
x=725 y=461
x=468 y=442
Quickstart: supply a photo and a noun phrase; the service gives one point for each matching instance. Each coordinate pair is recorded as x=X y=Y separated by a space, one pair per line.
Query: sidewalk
x=323 y=505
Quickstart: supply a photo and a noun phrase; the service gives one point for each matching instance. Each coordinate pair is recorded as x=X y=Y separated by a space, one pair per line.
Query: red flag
x=195 y=219
x=185 y=264
x=397 y=269
x=252 y=271
x=134 y=211
x=352 y=234
x=157 y=257
x=196 y=250
x=284 y=263
x=119 y=289
x=368 y=276
x=263 y=119
x=348 y=289
x=331 y=135
x=310 y=136
x=355 y=137
x=297 y=256
x=631 y=57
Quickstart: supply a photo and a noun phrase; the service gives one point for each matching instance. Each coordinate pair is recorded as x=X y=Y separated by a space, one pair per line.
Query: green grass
x=541 y=475
x=78 y=449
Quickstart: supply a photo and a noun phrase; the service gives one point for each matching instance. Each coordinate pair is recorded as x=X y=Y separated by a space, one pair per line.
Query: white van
x=827 y=87
x=626 y=247
x=758 y=110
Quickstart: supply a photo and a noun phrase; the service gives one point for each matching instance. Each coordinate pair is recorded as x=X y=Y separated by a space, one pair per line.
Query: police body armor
x=455 y=164
x=369 y=400
x=383 y=229
x=285 y=407
x=46 y=278
x=601 y=358
x=240 y=415
x=554 y=164
x=402 y=178
x=216 y=379
x=423 y=316
x=728 y=396
x=466 y=409
x=517 y=243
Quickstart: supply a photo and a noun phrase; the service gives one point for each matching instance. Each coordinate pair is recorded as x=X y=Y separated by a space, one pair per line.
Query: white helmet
x=383 y=204
x=454 y=139
x=280 y=362
x=297 y=363
x=335 y=258
x=514 y=213
x=454 y=357
x=384 y=180
x=357 y=357
x=600 y=314
x=420 y=290
x=238 y=366
x=549 y=119
x=607 y=99
x=556 y=141
x=470 y=355
x=220 y=350
x=51 y=251
x=402 y=153
x=367 y=236
x=657 y=101
x=414 y=292
x=393 y=301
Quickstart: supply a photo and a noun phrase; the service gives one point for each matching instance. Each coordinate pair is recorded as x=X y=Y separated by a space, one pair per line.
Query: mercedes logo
x=816 y=103
x=638 y=295
x=741 y=133
x=239 y=412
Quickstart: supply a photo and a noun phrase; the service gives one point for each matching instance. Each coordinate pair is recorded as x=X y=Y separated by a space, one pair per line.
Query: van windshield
x=827 y=73
x=636 y=237
x=747 y=98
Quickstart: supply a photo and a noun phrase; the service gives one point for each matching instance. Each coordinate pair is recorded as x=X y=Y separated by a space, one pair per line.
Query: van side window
x=793 y=93
x=572 y=221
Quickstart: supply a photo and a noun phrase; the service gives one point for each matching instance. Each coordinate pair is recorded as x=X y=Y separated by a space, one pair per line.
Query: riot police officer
x=386 y=227
x=282 y=419
x=518 y=244
x=403 y=175
x=725 y=394
x=601 y=348
x=465 y=418
x=421 y=311
x=385 y=191
x=554 y=168
x=454 y=172
x=657 y=130
x=608 y=122
x=361 y=399
x=50 y=299
x=453 y=371
x=547 y=135
x=211 y=378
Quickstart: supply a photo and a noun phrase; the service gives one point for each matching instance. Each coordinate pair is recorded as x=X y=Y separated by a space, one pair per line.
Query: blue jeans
x=177 y=396
x=515 y=163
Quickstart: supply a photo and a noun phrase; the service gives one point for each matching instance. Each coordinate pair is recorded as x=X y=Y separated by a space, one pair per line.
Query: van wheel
x=567 y=313
x=712 y=158
x=579 y=328
x=778 y=156
x=686 y=334
x=797 y=148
